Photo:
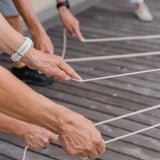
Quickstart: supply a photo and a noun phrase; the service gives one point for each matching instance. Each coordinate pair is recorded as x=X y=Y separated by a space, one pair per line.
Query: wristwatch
x=65 y=3
x=22 y=50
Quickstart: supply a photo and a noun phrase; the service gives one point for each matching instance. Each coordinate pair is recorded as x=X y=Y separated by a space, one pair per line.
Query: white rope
x=24 y=153
x=113 y=76
x=133 y=133
x=109 y=57
x=107 y=40
x=64 y=43
x=118 y=118
x=117 y=75
x=120 y=39
x=112 y=57
x=128 y=115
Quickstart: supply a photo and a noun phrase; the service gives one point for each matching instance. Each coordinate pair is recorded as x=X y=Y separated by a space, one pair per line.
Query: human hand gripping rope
x=114 y=76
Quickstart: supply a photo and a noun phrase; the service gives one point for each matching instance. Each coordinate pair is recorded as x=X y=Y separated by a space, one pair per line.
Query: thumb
x=53 y=137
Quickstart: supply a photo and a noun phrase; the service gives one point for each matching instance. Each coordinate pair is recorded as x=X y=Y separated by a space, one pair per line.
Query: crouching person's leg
x=142 y=11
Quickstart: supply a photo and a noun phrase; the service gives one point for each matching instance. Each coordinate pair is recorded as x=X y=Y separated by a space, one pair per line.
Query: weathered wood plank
x=5 y=158
x=108 y=98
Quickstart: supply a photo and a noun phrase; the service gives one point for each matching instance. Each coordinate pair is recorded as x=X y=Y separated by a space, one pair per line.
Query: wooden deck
x=105 y=99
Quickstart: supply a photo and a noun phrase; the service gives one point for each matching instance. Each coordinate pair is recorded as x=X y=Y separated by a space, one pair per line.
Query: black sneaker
x=31 y=76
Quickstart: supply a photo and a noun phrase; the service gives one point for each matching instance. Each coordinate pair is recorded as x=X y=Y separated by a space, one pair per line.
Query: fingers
x=74 y=29
x=91 y=155
x=69 y=70
x=75 y=32
x=101 y=148
x=47 y=49
x=93 y=151
x=43 y=44
x=72 y=33
x=78 y=33
x=60 y=75
x=46 y=142
x=37 y=137
x=53 y=138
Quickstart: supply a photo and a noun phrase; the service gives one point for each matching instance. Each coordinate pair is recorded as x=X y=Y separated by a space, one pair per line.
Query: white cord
x=113 y=76
x=109 y=57
x=120 y=39
x=112 y=57
x=118 y=118
x=117 y=75
x=133 y=133
x=127 y=115
x=24 y=153
x=64 y=42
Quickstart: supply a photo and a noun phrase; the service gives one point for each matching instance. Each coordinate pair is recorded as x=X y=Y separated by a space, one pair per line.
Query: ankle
x=140 y=4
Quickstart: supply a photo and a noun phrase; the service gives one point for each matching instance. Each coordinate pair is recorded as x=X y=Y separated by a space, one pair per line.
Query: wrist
x=57 y=118
x=21 y=130
x=30 y=58
x=37 y=30
x=67 y=121
x=18 y=129
x=63 y=8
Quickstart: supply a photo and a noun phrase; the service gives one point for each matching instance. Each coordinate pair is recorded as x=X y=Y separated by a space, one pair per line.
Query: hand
x=42 y=41
x=51 y=65
x=36 y=137
x=80 y=137
x=70 y=22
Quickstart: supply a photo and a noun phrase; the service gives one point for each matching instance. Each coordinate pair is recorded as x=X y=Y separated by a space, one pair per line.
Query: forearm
x=9 y=38
x=20 y=101
x=13 y=126
x=26 y=11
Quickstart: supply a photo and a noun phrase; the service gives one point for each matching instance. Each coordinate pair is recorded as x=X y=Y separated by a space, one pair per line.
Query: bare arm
x=20 y=101
x=34 y=136
x=69 y=21
x=10 y=40
x=39 y=35
x=50 y=65
x=78 y=135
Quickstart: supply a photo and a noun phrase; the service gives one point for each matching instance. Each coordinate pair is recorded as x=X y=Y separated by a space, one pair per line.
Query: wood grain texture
x=105 y=99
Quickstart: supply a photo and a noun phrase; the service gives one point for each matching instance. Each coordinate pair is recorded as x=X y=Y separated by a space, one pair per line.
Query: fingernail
x=67 y=78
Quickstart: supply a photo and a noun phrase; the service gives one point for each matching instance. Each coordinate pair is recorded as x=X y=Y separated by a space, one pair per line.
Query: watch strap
x=65 y=3
x=22 y=50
